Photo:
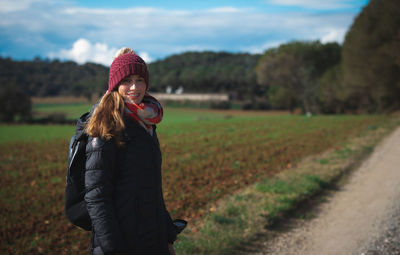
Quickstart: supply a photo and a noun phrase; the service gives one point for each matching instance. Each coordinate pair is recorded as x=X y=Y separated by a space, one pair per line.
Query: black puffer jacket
x=124 y=195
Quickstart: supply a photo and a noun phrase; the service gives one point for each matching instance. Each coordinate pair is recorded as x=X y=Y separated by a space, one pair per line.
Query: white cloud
x=160 y=32
x=139 y=10
x=12 y=5
x=258 y=49
x=146 y=57
x=228 y=9
x=314 y=4
x=334 y=35
x=84 y=51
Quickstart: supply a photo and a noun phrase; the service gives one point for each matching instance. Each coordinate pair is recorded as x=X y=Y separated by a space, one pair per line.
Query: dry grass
x=59 y=100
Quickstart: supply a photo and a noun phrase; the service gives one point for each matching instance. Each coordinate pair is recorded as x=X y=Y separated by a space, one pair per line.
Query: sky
x=93 y=30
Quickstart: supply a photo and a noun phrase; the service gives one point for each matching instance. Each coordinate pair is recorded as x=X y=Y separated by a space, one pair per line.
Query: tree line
x=362 y=75
x=195 y=71
x=199 y=72
x=43 y=77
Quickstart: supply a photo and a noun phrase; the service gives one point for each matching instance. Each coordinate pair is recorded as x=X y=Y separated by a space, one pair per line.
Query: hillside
x=194 y=71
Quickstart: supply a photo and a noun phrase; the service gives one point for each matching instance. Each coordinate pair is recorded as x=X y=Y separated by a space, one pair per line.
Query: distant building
x=179 y=90
x=191 y=97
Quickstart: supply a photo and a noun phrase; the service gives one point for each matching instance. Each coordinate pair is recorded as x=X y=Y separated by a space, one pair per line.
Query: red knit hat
x=124 y=65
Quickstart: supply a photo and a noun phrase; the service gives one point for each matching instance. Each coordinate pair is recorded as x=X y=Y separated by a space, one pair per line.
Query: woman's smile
x=133 y=88
x=134 y=94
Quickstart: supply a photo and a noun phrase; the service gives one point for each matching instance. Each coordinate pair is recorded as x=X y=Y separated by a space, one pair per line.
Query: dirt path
x=361 y=217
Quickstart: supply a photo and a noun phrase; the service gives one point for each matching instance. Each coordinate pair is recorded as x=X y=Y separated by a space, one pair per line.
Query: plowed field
x=203 y=160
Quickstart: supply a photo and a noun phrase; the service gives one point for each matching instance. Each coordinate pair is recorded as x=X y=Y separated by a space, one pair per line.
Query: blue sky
x=93 y=30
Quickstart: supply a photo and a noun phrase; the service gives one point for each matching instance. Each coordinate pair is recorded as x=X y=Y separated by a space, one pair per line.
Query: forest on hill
x=360 y=76
x=194 y=71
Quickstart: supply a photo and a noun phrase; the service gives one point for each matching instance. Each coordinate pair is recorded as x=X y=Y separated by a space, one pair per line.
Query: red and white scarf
x=148 y=113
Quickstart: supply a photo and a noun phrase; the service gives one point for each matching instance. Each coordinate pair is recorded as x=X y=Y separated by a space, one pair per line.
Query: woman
x=123 y=166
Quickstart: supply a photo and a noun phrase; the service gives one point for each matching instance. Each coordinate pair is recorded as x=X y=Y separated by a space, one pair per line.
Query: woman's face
x=133 y=88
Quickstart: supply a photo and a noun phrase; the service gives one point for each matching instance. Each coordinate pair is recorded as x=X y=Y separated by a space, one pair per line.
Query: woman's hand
x=171 y=249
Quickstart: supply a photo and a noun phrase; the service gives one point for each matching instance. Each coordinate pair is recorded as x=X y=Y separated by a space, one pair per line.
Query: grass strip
x=240 y=216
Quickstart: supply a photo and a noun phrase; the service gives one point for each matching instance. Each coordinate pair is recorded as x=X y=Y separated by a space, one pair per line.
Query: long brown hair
x=107 y=119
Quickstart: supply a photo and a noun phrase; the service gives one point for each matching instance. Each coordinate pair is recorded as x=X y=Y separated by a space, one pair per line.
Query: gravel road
x=361 y=217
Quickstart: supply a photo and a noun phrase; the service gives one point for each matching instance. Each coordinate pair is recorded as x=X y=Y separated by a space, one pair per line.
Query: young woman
x=123 y=167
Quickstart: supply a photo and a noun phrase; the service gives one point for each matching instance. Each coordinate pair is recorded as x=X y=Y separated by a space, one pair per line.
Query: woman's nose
x=133 y=86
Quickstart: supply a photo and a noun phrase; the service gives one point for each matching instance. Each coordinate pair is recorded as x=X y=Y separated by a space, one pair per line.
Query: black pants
x=93 y=250
x=97 y=251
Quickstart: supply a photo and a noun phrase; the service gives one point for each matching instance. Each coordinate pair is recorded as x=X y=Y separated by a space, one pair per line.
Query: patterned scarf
x=148 y=113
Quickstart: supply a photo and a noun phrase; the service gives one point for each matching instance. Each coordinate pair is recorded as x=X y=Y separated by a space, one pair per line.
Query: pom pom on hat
x=125 y=65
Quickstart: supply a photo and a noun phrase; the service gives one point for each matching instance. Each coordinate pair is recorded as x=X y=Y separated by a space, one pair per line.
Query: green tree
x=14 y=103
x=292 y=73
x=52 y=78
x=219 y=72
x=206 y=72
x=331 y=94
x=371 y=56
x=285 y=76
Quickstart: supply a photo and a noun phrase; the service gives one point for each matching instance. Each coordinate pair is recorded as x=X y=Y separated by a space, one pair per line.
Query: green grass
x=29 y=133
x=175 y=115
x=184 y=121
x=71 y=110
x=14 y=133
x=175 y=121
x=323 y=161
x=185 y=116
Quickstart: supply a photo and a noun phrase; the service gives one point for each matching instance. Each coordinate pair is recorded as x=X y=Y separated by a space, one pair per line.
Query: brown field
x=201 y=164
